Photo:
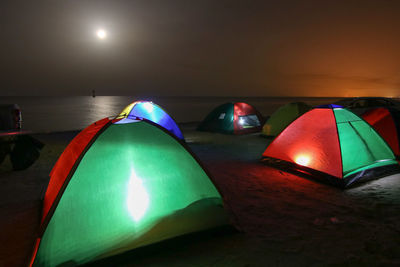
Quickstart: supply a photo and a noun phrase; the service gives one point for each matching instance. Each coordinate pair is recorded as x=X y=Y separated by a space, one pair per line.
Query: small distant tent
x=386 y=121
x=152 y=112
x=283 y=117
x=331 y=144
x=232 y=118
x=119 y=185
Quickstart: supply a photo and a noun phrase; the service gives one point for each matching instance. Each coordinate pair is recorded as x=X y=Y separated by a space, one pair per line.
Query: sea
x=44 y=114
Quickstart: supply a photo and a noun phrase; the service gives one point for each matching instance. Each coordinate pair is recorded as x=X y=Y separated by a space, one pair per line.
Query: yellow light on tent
x=138 y=199
x=303 y=160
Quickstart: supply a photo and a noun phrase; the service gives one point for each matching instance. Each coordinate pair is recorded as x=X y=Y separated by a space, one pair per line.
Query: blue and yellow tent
x=152 y=112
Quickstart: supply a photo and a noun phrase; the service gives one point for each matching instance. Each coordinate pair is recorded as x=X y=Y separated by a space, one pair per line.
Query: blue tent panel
x=152 y=112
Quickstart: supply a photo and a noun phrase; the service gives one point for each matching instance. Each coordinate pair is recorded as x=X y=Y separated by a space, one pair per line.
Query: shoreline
x=53 y=114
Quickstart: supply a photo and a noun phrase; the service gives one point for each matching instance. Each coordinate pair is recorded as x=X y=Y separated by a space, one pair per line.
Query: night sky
x=200 y=48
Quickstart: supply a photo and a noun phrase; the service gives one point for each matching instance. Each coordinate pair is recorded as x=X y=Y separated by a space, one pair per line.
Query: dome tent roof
x=152 y=112
x=331 y=144
x=232 y=118
x=122 y=184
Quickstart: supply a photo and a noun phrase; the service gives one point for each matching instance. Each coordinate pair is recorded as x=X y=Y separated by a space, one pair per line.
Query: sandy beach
x=282 y=219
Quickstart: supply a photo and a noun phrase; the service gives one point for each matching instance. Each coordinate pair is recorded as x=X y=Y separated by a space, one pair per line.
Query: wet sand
x=283 y=219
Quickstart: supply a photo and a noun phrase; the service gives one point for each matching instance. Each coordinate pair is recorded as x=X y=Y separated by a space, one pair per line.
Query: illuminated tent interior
x=331 y=144
x=386 y=121
x=152 y=112
x=283 y=116
x=232 y=118
x=119 y=185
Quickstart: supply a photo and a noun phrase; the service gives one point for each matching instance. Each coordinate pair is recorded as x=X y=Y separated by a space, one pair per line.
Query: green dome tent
x=283 y=116
x=119 y=185
x=232 y=118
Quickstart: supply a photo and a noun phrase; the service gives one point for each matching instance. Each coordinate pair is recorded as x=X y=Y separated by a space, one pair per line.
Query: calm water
x=48 y=114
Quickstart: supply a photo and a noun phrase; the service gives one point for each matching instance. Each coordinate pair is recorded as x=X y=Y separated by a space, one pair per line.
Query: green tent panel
x=220 y=118
x=360 y=144
x=136 y=184
x=283 y=117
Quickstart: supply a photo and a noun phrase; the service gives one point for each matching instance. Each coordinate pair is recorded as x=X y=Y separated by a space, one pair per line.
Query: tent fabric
x=318 y=135
x=282 y=117
x=152 y=112
x=331 y=144
x=386 y=121
x=134 y=184
x=220 y=119
x=361 y=146
x=329 y=106
x=232 y=118
x=66 y=163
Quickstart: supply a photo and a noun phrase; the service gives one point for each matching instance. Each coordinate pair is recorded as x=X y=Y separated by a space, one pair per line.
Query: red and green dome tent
x=119 y=185
x=333 y=145
x=152 y=112
x=232 y=118
x=386 y=121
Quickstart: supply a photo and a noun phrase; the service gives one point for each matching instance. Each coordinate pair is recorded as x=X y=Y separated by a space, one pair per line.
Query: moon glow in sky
x=101 y=34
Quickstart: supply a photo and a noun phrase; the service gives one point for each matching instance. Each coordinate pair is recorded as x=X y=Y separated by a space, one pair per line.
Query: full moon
x=101 y=34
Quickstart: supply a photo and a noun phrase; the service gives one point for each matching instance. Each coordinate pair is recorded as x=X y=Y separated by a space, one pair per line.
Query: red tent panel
x=66 y=162
x=311 y=141
x=382 y=121
x=243 y=109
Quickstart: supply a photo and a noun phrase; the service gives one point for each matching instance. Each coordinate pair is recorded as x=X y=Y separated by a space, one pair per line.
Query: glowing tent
x=283 y=117
x=152 y=112
x=332 y=144
x=386 y=121
x=232 y=118
x=122 y=184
